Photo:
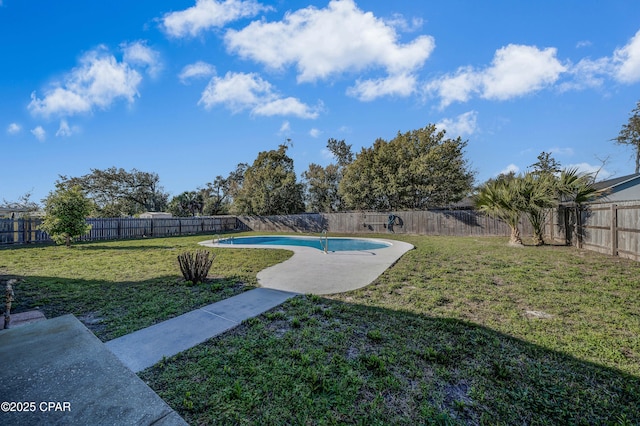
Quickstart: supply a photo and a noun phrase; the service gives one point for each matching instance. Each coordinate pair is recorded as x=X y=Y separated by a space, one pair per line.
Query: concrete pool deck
x=311 y=271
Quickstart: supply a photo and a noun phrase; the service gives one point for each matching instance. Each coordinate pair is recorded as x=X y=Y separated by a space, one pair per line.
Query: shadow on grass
x=108 y=247
x=320 y=361
x=112 y=309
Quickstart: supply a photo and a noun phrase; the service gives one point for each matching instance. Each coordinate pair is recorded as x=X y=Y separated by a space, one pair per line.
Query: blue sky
x=188 y=89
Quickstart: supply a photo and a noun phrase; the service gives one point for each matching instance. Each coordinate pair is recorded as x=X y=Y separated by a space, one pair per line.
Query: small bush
x=195 y=266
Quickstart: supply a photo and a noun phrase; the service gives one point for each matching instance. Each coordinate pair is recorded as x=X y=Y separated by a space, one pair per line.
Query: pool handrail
x=325 y=246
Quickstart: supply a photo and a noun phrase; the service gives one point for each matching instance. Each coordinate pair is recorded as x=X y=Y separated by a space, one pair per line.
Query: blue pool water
x=335 y=244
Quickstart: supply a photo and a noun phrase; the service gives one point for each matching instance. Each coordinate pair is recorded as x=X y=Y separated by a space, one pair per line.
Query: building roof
x=612 y=183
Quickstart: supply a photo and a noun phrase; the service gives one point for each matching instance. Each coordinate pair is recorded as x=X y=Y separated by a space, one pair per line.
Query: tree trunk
x=538 y=239
x=67 y=240
x=515 y=239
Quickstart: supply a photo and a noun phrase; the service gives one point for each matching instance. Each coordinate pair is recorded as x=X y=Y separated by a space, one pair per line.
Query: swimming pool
x=335 y=244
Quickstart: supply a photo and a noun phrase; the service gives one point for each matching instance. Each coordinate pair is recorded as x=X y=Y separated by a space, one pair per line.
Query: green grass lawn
x=118 y=287
x=459 y=331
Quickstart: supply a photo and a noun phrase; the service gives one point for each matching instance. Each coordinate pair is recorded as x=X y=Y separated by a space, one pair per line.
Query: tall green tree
x=415 y=170
x=630 y=134
x=546 y=164
x=322 y=183
x=499 y=198
x=117 y=192
x=341 y=152
x=269 y=186
x=536 y=197
x=574 y=189
x=66 y=211
x=215 y=196
x=189 y=203
x=533 y=194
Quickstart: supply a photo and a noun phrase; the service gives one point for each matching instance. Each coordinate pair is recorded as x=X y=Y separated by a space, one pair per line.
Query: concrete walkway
x=144 y=348
x=66 y=376
x=311 y=271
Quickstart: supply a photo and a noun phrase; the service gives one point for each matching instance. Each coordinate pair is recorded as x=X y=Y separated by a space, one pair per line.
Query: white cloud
x=241 y=91
x=97 y=82
x=590 y=168
x=463 y=125
x=583 y=43
x=65 y=129
x=314 y=133
x=285 y=128
x=368 y=90
x=456 y=88
x=588 y=73
x=627 y=61
x=207 y=14
x=516 y=70
x=322 y=43
x=39 y=133
x=511 y=168
x=400 y=22
x=237 y=91
x=284 y=106
x=623 y=66
x=14 y=128
x=138 y=53
x=196 y=70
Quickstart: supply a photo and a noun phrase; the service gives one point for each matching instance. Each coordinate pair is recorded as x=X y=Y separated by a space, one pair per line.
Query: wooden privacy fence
x=431 y=222
x=21 y=231
x=606 y=228
x=612 y=228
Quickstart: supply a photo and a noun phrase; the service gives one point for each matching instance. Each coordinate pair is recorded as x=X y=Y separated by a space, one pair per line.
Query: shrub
x=195 y=266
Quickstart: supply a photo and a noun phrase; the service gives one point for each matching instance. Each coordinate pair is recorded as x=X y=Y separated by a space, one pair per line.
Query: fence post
x=579 y=226
x=614 y=230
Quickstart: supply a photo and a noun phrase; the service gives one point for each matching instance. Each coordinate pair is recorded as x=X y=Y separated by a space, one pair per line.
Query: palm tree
x=574 y=189
x=500 y=198
x=537 y=197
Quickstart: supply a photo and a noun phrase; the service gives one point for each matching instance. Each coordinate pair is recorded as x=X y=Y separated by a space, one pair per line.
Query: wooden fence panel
x=596 y=229
x=627 y=238
x=607 y=228
x=433 y=222
x=21 y=231
x=6 y=231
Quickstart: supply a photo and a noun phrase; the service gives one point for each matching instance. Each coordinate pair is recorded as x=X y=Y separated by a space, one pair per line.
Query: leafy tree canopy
x=189 y=203
x=415 y=170
x=66 y=210
x=322 y=183
x=533 y=194
x=269 y=186
x=117 y=192
x=630 y=134
x=546 y=164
